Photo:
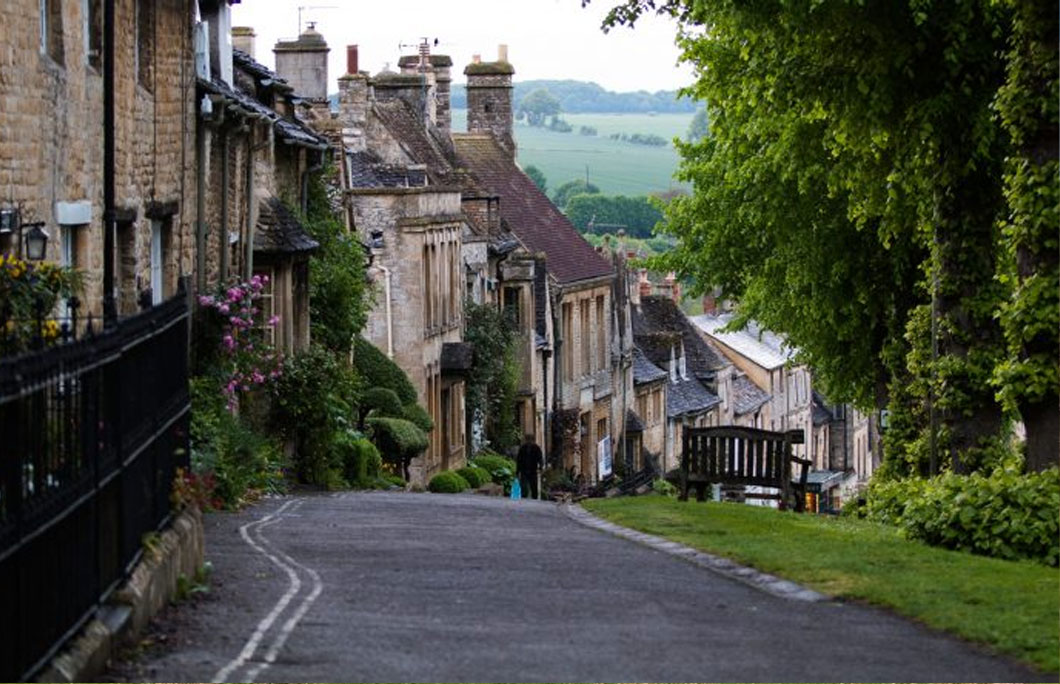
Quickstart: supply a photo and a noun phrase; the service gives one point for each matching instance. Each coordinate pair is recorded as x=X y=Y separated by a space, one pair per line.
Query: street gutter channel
x=770 y=584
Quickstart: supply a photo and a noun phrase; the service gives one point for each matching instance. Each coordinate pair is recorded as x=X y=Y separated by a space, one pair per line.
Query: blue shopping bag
x=517 y=490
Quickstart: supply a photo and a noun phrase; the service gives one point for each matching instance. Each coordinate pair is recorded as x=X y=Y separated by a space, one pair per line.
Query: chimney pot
x=476 y=59
x=351 y=59
x=502 y=53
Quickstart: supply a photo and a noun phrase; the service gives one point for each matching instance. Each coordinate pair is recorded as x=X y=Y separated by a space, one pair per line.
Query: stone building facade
x=52 y=140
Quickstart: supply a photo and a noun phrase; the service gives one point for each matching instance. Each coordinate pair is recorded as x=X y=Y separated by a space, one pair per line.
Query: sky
x=547 y=39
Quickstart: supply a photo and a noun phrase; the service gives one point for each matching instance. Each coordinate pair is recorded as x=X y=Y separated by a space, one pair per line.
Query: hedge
x=1005 y=514
x=476 y=477
x=397 y=436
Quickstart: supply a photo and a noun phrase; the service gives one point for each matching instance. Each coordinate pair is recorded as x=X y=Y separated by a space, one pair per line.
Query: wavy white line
x=295 y=584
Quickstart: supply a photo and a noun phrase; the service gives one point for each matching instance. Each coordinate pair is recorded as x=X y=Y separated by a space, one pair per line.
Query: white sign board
x=603 y=450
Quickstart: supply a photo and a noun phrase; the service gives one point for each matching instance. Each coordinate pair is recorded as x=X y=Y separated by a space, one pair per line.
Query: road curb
x=151 y=585
x=770 y=584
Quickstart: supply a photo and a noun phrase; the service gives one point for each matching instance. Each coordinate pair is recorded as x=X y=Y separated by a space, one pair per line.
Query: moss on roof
x=489 y=68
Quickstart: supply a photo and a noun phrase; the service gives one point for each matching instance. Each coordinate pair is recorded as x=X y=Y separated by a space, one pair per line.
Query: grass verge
x=1013 y=607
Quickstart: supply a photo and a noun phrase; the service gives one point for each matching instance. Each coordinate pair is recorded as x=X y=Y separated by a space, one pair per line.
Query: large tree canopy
x=852 y=194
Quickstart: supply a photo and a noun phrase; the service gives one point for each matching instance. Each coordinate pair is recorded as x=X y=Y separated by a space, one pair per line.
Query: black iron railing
x=91 y=434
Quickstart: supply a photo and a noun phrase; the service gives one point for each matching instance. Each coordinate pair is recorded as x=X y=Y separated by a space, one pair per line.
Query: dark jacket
x=529 y=459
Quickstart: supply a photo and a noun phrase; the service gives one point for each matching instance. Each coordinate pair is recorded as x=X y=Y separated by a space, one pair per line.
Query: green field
x=618 y=168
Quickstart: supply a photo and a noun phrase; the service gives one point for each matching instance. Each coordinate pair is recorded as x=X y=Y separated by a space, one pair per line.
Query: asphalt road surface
x=417 y=587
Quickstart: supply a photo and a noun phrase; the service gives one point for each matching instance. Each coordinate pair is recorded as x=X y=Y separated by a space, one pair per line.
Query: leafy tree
x=638 y=214
x=850 y=195
x=571 y=188
x=700 y=127
x=538 y=106
x=538 y=176
x=493 y=380
x=339 y=296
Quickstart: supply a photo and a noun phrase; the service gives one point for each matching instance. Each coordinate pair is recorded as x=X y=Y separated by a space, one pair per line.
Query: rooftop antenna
x=310 y=7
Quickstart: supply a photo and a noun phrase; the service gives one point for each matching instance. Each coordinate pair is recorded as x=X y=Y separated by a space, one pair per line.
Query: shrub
x=312 y=404
x=236 y=459
x=383 y=401
x=1005 y=514
x=501 y=469
x=663 y=487
x=418 y=416
x=376 y=370
x=475 y=476
x=398 y=439
x=447 y=482
x=361 y=463
x=556 y=480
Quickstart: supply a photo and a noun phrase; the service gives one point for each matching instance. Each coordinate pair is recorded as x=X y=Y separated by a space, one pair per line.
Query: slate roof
x=658 y=322
x=367 y=170
x=418 y=142
x=457 y=357
x=747 y=396
x=821 y=413
x=278 y=231
x=297 y=133
x=762 y=347
x=644 y=371
x=259 y=71
x=529 y=213
x=633 y=422
x=686 y=397
x=246 y=102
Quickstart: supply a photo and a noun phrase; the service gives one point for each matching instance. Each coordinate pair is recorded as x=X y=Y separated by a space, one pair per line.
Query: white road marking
x=295 y=583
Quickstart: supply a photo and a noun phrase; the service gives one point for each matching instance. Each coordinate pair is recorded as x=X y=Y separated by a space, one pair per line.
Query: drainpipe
x=110 y=310
x=202 y=137
x=225 y=150
x=557 y=358
x=389 y=316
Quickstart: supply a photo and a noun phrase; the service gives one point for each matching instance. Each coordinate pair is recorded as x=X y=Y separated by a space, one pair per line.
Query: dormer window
x=673 y=365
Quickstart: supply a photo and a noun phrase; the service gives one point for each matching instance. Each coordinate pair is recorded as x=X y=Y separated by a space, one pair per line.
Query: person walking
x=527 y=462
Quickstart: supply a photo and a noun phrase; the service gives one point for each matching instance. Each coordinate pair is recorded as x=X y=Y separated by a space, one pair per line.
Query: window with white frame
x=158 y=260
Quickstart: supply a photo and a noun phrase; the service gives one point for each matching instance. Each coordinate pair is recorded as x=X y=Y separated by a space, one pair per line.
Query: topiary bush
x=417 y=415
x=376 y=370
x=399 y=440
x=447 y=482
x=383 y=401
x=361 y=463
x=1006 y=514
x=475 y=476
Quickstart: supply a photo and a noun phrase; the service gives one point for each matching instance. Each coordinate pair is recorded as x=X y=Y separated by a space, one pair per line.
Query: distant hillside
x=577 y=97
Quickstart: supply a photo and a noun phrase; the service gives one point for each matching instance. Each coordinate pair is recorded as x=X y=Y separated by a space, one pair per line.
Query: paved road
x=419 y=587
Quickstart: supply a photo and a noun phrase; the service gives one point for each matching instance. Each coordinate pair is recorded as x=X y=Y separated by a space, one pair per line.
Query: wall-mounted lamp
x=36 y=241
x=32 y=238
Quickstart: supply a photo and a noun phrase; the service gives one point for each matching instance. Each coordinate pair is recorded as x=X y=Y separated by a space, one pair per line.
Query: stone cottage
x=88 y=151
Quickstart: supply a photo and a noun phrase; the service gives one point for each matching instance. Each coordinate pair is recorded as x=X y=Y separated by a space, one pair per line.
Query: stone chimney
x=353 y=103
x=644 y=285
x=243 y=40
x=416 y=89
x=440 y=67
x=489 y=99
x=674 y=287
x=710 y=304
x=303 y=63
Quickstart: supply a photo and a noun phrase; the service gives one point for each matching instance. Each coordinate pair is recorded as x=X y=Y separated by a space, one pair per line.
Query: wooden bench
x=743 y=456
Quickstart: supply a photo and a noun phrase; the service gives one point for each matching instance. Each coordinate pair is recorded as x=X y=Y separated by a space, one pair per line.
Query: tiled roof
x=747 y=396
x=644 y=371
x=657 y=322
x=686 y=397
x=529 y=213
x=762 y=347
x=242 y=100
x=278 y=231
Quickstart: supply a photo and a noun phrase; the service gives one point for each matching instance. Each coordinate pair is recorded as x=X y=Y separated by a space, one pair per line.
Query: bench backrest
x=739 y=455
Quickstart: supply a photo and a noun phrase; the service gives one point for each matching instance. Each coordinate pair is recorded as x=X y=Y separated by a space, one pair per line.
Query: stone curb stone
x=771 y=584
x=151 y=585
